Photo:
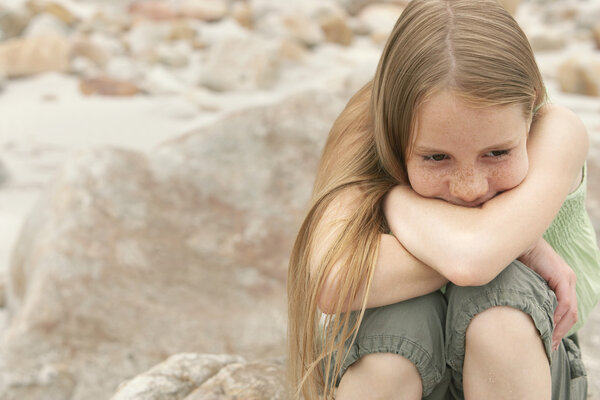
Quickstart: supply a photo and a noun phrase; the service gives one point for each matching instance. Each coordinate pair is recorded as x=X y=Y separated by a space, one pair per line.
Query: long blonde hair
x=472 y=47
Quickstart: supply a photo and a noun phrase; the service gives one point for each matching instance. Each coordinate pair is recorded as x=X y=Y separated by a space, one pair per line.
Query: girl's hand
x=542 y=259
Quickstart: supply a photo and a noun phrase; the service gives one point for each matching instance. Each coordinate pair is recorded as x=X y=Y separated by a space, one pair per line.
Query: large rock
x=194 y=376
x=128 y=259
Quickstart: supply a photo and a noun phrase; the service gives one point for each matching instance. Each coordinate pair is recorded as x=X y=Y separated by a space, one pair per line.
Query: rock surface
x=194 y=376
x=128 y=259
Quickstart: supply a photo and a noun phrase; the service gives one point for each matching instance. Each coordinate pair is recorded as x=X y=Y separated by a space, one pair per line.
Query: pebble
x=104 y=86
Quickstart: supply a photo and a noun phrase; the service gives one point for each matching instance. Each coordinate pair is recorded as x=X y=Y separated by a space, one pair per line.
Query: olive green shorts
x=430 y=331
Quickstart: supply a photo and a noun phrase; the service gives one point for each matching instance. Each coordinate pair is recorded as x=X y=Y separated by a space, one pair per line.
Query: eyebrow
x=507 y=144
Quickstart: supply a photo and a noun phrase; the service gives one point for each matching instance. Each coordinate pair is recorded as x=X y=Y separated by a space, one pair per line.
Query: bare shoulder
x=571 y=135
x=565 y=123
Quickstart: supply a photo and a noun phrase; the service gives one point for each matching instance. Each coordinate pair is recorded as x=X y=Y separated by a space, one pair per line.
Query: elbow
x=471 y=273
x=326 y=302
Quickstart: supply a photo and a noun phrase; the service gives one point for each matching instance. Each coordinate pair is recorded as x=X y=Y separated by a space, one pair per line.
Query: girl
x=437 y=175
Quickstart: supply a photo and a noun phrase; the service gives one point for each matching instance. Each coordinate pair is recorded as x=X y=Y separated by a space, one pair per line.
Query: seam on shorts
x=541 y=313
x=402 y=346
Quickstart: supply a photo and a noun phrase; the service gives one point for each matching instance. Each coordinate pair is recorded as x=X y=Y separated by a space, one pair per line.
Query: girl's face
x=466 y=155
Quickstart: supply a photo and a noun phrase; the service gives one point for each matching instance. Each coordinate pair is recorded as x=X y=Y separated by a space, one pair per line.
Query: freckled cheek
x=426 y=183
x=509 y=175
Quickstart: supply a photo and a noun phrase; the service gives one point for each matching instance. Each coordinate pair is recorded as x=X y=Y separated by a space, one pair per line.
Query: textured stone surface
x=174 y=378
x=128 y=259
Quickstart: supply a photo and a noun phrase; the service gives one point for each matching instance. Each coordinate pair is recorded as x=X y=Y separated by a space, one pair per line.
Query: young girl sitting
x=446 y=252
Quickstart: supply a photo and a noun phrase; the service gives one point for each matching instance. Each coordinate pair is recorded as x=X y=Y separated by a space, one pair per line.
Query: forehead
x=445 y=119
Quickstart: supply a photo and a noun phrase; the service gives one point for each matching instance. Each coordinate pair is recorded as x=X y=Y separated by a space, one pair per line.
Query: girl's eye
x=497 y=153
x=435 y=157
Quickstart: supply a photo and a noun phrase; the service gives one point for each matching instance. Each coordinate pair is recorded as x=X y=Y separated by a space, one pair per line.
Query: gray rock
x=175 y=378
x=192 y=376
x=259 y=380
x=128 y=259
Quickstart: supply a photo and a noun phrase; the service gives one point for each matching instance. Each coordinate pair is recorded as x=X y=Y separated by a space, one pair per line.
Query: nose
x=469 y=185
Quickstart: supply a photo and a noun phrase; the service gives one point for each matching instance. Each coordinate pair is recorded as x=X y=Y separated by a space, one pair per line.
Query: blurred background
x=156 y=159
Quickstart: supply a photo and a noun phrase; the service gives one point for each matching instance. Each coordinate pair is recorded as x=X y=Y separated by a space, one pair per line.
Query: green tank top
x=572 y=236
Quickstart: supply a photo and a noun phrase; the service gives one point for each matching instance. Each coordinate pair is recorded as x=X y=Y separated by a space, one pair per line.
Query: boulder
x=192 y=376
x=129 y=258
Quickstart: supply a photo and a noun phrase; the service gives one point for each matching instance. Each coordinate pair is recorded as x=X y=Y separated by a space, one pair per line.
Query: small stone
x=297 y=27
x=242 y=13
x=292 y=50
x=204 y=10
x=95 y=53
x=46 y=24
x=182 y=30
x=160 y=80
x=241 y=64
x=546 y=40
x=336 y=30
x=107 y=87
x=84 y=67
x=596 y=35
x=355 y=6
x=510 y=5
x=28 y=56
x=12 y=24
x=175 y=54
x=380 y=19
x=154 y=10
x=580 y=75
x=52 y=8
x=3 y=178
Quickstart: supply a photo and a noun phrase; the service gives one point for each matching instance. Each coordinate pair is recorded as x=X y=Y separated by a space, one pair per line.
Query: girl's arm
x=470 y=246
x=398 y=275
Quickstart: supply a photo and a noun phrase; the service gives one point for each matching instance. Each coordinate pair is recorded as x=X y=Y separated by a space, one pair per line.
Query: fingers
x=565 y=314
x=562 y=328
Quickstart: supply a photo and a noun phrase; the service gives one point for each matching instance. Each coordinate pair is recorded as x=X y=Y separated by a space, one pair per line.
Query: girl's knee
x=502 y=326
x=381 y=376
